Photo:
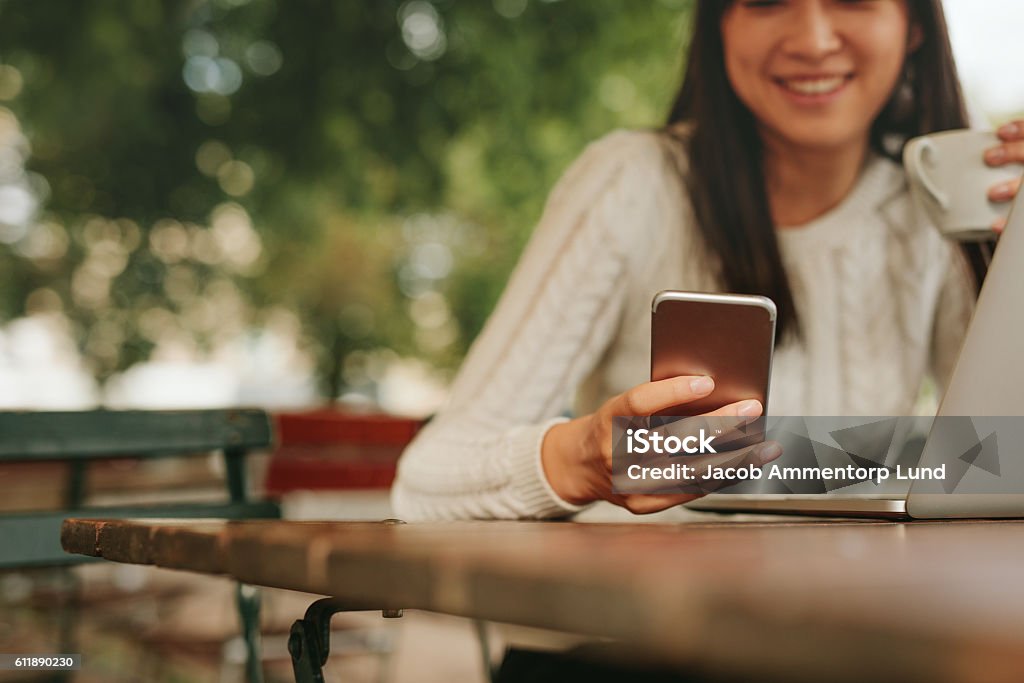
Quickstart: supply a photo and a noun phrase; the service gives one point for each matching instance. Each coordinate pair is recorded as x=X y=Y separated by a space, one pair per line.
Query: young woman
x=777 y=174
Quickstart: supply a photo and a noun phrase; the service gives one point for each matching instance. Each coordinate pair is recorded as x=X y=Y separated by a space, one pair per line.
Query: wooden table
x=788 y=600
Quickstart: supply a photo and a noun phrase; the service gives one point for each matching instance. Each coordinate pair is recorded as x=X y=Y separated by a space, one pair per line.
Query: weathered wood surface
x=789 y=600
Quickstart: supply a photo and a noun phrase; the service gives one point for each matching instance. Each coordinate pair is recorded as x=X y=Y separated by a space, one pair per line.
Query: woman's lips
x=814 y=89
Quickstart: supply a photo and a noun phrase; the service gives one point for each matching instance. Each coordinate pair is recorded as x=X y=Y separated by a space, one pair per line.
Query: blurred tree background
x=173 y=172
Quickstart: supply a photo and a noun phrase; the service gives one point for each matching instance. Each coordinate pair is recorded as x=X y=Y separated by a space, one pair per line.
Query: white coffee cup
x=949 y=181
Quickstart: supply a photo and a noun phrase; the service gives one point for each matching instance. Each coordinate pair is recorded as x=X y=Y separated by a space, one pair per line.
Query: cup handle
x=917 y=155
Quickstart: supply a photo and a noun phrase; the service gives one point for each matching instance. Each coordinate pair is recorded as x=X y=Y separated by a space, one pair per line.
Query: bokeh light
x=422 y=29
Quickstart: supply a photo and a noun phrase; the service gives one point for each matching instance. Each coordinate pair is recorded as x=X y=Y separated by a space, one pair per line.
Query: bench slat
x=90 y=434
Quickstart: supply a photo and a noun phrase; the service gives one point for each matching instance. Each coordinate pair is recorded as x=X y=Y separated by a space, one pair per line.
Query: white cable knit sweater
x=883 y=300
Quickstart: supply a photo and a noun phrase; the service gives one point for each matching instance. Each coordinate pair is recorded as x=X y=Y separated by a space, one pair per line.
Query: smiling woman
x=799 y=96
x=775 y=175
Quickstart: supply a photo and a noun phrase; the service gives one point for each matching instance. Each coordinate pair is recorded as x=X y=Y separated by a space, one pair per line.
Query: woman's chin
x=821 y=136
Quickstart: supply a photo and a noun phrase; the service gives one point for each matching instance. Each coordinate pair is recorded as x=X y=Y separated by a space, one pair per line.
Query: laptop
x=987 y=386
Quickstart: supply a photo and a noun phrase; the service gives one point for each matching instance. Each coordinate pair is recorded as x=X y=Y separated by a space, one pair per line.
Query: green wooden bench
x=32 y=539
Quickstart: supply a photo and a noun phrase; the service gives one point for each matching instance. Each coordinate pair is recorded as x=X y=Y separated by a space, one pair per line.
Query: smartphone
x=729 y=337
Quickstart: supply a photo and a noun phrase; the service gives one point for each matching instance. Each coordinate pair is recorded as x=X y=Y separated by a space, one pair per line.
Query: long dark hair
x=725 y=176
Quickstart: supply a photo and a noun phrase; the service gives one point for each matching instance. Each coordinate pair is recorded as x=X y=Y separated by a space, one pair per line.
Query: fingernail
x=749 y=409
x=995 y=155
x=999 y=225
x=768 y=452
x=1002 y=190
x=702 y=385
x=1009 y=129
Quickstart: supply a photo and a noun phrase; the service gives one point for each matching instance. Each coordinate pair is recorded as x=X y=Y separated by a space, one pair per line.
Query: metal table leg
x=309 y=643
x=248 y=602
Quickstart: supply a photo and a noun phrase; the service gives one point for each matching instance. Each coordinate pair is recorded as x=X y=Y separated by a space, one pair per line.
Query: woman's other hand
x=577 y=455
x=1009 y=151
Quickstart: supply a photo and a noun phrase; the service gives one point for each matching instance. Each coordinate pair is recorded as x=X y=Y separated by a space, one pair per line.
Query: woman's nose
x=812 y=33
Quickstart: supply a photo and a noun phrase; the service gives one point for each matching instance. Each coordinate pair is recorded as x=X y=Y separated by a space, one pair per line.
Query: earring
x=901 y=106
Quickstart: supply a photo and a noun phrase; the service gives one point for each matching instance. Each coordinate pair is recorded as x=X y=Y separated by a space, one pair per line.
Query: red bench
x=332 y=450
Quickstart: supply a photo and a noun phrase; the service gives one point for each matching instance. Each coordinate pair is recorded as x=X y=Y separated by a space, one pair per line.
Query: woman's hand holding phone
x=577 y=455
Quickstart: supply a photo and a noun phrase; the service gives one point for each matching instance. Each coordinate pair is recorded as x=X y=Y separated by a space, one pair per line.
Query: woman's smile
x=813 y=89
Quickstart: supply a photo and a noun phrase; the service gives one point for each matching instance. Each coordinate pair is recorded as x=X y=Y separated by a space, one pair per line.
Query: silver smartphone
x=729 y=337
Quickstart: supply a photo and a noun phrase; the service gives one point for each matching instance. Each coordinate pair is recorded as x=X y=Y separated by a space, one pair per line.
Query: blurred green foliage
x=390 y=157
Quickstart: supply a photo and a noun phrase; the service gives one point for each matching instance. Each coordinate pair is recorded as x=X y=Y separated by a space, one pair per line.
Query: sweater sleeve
x=952 y=316
x=480 y=456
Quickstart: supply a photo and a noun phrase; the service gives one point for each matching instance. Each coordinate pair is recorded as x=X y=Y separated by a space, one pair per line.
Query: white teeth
x=817 y=86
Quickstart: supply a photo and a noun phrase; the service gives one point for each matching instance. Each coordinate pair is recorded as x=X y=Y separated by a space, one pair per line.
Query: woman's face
x=815 y=73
